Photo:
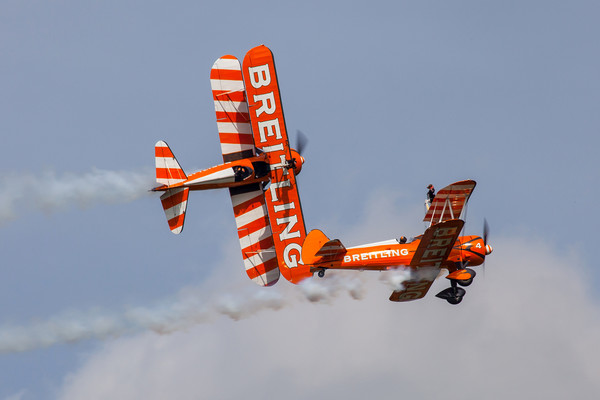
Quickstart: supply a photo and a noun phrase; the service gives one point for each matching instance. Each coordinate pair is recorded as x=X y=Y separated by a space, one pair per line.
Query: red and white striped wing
x=237 y=142
x=233 y=120
x=449 y=202
x=254 y=232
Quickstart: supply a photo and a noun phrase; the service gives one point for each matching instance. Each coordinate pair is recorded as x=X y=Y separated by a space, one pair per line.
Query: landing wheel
x=465 y=282
x=468 y=281
x=321 y=273
x=454 y=300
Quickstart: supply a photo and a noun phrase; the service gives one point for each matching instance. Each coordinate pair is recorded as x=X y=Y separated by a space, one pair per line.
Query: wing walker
x=259 y=169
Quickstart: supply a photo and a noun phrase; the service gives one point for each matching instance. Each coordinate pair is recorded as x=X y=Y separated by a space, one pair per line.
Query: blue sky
x=393 y=96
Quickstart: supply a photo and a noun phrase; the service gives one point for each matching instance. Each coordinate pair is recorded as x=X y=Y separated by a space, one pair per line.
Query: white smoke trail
x=190 y=307
x=395 y=278
x=49 y=192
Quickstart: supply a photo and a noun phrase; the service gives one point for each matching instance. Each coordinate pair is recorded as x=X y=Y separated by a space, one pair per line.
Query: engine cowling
x=297 y=161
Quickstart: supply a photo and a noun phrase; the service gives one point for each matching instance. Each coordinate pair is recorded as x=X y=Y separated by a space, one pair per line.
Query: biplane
x=259 y=169
x=440 y=247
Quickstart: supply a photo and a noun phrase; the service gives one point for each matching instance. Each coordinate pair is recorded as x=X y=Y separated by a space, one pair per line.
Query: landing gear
x=321 y=273
x=453 y=294
x=466 y=282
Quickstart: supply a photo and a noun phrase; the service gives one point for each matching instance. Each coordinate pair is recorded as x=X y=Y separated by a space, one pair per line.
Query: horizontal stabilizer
x=174 y=202
x=318 y=248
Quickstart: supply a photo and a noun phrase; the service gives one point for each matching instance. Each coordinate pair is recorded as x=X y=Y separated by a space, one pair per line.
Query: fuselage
x=392 y=254
x=242 y=172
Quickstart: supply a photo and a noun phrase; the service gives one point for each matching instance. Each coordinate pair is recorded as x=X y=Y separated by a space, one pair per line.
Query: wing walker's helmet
x=430 y=186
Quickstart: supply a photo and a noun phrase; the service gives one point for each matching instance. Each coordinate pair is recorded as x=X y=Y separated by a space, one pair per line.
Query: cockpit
x=242 y=173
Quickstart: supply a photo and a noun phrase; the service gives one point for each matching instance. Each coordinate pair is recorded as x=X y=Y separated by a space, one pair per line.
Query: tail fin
x=174 y=202
x=168 y=170
x=318 y=248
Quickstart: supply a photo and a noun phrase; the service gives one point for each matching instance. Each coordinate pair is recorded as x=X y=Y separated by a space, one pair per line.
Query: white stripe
x=250 y=216
x=167 y=162
x=227 y=63
x=268 y=278
x=228 y=148
x=176 y=210
x=231 y=106
x=238 y=199
x=227 y=85
x=234 y=127
x=254 y=237
x=259 y=258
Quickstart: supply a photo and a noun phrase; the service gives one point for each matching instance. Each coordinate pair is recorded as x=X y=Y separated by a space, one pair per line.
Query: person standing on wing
x=430 y=195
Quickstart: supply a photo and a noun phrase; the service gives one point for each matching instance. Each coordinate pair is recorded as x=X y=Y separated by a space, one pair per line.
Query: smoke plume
x=49 y=192
x=190 y=307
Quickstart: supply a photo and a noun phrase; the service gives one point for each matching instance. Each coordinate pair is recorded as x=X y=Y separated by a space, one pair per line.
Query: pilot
x=402 y=240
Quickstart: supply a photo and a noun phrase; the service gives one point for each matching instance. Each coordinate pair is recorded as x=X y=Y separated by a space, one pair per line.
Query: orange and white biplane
x=260 y=171
x=440 y=247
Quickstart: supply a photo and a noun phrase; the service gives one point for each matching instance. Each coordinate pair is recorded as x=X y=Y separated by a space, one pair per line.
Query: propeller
x=301 y=141
x=486 y=232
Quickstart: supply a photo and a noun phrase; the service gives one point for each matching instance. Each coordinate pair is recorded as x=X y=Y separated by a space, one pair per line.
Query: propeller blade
x=301 y=141
x=486 y=231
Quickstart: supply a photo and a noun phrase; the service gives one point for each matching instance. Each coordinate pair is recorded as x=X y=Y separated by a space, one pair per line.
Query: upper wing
x=233 y=120
x=449 y=202
x=237 y=142
x=430 y=256
x=270 y=135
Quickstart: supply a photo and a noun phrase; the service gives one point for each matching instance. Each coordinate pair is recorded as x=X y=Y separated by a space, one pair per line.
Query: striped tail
x=168 y=173
x=168 y=170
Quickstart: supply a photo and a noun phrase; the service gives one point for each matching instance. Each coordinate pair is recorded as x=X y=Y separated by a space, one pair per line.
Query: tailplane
x=174 y=202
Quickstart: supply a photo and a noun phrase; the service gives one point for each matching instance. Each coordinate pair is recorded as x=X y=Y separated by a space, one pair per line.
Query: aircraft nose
x=488 y=249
